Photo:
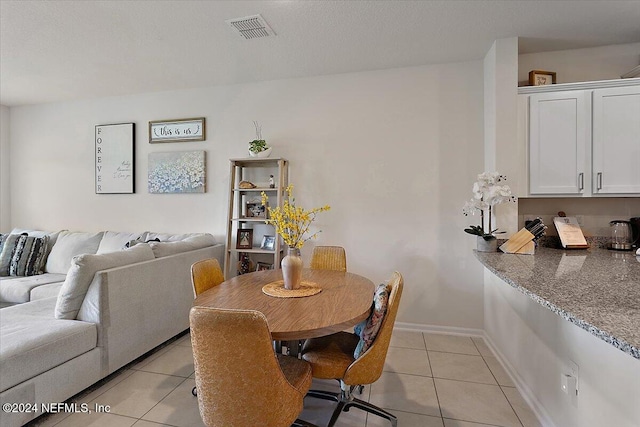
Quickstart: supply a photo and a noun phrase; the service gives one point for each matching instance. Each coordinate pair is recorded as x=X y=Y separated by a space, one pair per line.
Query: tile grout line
x=164 y=397
x=499 y=385
x=426 y=350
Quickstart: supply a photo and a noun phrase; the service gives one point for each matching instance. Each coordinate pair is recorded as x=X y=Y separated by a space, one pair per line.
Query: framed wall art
x=177 y=130
x=177 y=172
x=114 y=158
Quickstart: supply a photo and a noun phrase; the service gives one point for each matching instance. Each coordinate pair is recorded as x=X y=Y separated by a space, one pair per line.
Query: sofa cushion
x=29 y=256
x=32 y=341
x=46 y=291
x=113 y=241
x=18 y=289
x=164 y=237
x=163 y=249
x=68 y=245
x=83 y=269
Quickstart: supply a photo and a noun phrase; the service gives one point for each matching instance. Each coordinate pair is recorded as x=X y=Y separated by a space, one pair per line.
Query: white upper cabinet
x=584 y=142
x=616 y=140
x=558 y=138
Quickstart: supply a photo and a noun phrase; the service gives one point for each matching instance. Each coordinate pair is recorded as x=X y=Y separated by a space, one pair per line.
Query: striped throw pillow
x=29 y=256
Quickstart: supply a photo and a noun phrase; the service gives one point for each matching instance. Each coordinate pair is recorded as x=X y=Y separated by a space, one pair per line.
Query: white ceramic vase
x=265 y=153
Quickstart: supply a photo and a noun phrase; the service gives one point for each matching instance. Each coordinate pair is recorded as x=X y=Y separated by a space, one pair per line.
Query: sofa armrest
x=139 y=306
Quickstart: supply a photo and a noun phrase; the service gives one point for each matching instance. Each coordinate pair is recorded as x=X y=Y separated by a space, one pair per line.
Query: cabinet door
x=558 y=137
x=616 y=140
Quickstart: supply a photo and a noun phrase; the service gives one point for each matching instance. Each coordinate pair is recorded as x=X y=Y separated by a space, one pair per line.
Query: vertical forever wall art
x=114 y=158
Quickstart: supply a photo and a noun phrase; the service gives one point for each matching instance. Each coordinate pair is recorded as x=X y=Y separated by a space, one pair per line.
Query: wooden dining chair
x=240 y=379
x=205 y=275
x=329 y=258
x=332 y=357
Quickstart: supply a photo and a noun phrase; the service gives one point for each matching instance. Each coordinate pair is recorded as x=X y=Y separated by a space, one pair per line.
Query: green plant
x=258 y=145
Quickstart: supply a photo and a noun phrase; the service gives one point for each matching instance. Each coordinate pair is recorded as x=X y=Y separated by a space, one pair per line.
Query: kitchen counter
x=596 y=289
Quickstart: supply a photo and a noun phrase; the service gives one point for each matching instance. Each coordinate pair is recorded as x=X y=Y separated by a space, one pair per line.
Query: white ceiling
x=55 y=51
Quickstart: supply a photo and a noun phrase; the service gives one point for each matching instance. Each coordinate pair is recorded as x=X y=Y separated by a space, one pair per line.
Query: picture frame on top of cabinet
x=541 y=78
x=177 y=130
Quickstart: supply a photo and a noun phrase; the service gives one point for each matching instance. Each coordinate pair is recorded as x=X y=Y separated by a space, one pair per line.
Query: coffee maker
x=635 y=229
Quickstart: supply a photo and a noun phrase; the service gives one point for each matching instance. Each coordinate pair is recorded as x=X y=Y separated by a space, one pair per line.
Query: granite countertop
x=595 y=289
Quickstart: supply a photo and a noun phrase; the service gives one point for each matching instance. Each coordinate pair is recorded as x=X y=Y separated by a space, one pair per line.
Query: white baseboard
x=523 y=388
x=435 y=329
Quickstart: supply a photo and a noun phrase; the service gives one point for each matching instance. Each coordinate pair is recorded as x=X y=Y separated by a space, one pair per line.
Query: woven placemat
x=276 y=289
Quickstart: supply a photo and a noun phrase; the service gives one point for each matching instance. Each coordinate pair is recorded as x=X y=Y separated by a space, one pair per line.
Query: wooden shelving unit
x=256 y=171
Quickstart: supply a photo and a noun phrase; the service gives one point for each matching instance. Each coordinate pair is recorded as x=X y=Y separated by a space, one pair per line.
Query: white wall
x=394 y=153
x=537 y=345
x=5 y=217
x=582 y=65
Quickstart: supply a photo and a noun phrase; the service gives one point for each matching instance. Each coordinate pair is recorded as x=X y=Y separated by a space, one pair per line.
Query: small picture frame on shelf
x=244 y=238
x=263 y=266
x=268 y=243
x=541 y=78
x=255 y=210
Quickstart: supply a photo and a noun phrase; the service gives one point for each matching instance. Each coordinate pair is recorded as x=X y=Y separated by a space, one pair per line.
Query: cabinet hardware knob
x=599 y=179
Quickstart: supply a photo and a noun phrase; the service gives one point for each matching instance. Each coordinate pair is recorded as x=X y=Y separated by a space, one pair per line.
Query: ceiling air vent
x=251 y=27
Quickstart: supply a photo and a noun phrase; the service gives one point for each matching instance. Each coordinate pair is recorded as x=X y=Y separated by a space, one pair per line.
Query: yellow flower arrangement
x=292 y=222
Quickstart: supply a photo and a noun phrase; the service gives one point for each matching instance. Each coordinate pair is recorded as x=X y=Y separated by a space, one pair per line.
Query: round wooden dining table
x=344 y=301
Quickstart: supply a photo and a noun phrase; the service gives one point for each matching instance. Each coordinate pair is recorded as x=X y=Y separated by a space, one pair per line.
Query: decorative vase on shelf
x=490 y=245
x=292 y=269
x=264 y=153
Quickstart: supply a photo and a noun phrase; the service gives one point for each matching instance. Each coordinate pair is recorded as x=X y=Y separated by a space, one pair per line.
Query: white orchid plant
x=488 y=191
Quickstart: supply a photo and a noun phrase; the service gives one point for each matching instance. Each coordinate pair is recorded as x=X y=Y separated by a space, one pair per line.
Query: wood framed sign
x=541 y=78
x=114 y=158
x=178 y=130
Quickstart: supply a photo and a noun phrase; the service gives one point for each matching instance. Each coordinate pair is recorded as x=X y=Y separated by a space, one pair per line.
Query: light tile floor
x=430 y=380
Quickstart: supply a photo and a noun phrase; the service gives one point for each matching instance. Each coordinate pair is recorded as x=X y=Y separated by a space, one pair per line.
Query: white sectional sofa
x=62 y=331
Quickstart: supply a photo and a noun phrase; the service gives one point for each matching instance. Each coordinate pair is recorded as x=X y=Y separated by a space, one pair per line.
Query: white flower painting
x=177 y=172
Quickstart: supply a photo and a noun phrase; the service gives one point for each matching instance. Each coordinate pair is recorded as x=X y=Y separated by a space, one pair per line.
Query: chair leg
x=336 y=413
x=302 y=423
x=346 y=401
x=326 y=395
x=372 y=409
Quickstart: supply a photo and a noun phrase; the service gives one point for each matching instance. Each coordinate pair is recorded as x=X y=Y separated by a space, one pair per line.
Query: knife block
x=520 y=243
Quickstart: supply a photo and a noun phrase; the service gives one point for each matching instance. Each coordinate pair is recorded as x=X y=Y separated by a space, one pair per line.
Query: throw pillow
x=113 y=241
x=8 y=248
x=68 y=245
x=84 y=268
x=29 y=256
x=368 y=329
x=163 y=249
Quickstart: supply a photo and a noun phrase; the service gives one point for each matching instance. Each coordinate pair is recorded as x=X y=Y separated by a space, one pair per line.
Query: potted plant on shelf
x=487 y=192
x=258 y=147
